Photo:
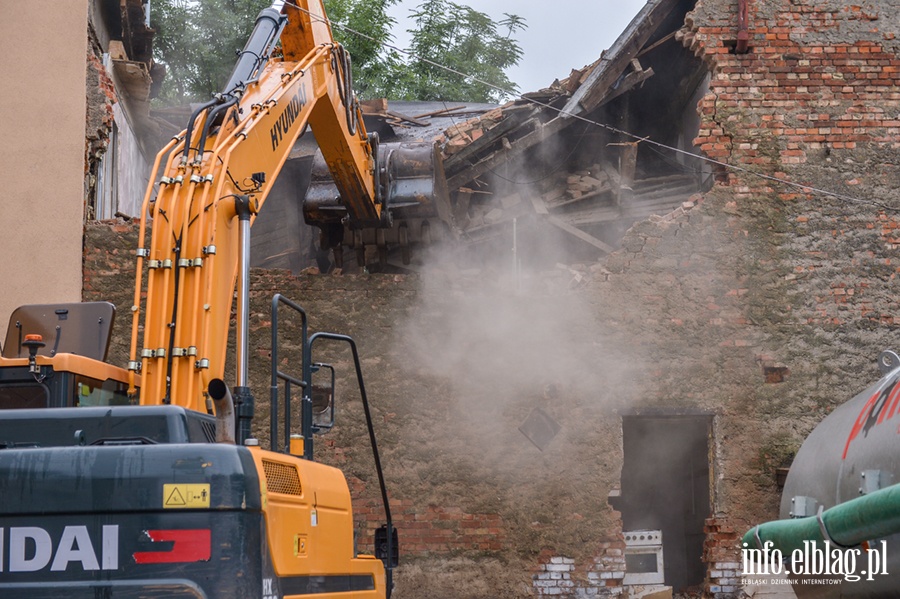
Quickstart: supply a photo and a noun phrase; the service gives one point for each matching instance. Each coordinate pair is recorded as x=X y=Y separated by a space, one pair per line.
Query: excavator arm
x=215 y=178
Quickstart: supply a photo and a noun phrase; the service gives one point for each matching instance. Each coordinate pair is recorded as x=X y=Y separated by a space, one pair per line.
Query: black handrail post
x=276 y=373
x=273 y=384
x=369 y=425
x=287 y=416
x=306 y=401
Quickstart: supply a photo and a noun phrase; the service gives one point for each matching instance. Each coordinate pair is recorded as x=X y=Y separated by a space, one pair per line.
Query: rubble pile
x=489 y=188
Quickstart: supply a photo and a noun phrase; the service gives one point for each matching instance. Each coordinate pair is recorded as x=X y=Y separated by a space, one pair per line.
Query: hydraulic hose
x=848 y=524
x=190 y=127
x=211 y=120
x=341 y=63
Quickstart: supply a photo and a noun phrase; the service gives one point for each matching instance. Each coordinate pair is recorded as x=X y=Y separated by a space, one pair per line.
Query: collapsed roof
x=571 y=157
x=561 y=173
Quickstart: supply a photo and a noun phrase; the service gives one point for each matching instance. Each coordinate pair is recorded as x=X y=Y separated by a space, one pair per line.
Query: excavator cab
x=54 y=356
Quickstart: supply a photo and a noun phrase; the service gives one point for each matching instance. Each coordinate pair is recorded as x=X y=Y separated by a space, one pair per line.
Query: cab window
x=93 y=392
x=20 y=396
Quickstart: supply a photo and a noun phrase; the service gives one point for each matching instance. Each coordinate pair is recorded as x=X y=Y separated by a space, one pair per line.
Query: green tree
x=464 y=40
x=198 y=42
x=373 y=64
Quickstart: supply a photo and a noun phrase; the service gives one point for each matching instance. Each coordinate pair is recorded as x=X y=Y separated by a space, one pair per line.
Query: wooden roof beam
x=596 y=87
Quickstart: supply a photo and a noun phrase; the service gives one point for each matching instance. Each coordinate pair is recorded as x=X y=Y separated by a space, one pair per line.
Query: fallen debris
x=525 y=158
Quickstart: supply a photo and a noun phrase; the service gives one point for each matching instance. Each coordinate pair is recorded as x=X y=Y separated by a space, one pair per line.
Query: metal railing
x=289 y=381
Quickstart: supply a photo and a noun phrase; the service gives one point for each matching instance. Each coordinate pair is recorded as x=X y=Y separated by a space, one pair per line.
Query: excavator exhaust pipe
x=224 y=403
x=412 y=190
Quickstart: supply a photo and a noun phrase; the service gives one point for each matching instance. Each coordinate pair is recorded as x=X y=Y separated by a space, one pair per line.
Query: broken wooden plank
x=664 y=181
x=442 y=112
x=583 y=236
x=593 y=91
x=539 y=206
x=489 y=137
x=544 y=96
x=657 y=43
x=540 y=133
x=408 y=119
x=630 y=81
x=600 y=191
x=593 y=218
x=605 y=214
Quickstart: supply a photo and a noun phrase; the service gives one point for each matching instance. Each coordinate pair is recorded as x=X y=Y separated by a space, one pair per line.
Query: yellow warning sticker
x=181 y=496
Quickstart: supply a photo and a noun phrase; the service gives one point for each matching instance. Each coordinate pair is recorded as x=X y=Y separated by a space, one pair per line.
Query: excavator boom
x=216 y=177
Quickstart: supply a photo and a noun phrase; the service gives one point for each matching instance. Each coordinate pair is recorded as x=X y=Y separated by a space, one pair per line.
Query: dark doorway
x=665 y=486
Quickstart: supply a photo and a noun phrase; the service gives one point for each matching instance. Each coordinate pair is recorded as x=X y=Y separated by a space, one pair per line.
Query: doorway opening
x=665 y=487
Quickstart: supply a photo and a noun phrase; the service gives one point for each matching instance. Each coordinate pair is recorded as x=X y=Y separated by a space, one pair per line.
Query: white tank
x=855 y=450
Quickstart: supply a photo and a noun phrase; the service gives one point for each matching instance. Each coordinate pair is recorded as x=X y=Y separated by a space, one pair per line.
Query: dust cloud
x=501 y=338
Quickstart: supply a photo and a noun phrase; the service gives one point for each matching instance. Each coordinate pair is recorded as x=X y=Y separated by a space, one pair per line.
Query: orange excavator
x=145 y=481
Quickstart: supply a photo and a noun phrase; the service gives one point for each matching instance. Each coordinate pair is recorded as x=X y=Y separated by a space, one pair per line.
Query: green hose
x=848 y=524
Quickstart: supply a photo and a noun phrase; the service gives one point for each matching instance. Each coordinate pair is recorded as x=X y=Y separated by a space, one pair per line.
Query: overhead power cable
x=644 y=139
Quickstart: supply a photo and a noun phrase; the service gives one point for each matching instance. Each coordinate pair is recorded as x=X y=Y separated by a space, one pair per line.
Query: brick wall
x=430 y=529
x=724 y=572
x=815 y=101
x=816 y=79
x=101 y=95
x=598 y=576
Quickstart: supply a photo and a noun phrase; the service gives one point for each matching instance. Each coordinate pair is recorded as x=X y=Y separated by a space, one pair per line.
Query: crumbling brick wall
x=101 y=95
x=816 y=79
x=816 y=102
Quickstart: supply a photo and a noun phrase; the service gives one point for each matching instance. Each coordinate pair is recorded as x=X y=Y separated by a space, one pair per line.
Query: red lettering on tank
x=873 y=412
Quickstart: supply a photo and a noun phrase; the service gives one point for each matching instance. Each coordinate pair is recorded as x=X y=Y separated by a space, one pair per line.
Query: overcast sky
x=562 y=34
